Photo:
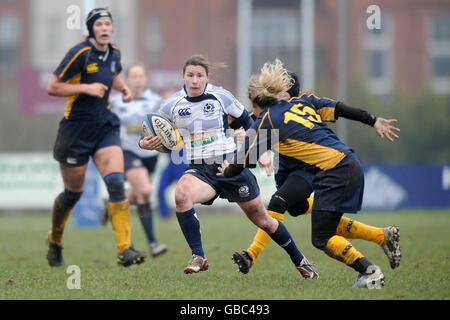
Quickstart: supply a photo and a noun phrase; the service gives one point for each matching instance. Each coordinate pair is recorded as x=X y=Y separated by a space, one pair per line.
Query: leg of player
x=256 y=212
x=140 y=190
x=73 y=178
x=324 y=237
x=109 y=162
x=164 y=182
x=189 y=191
x=290 y=196
x=387 y=238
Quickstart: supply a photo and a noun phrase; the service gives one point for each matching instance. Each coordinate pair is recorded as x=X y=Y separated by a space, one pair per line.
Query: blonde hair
x=269 y=84
x=201 y=60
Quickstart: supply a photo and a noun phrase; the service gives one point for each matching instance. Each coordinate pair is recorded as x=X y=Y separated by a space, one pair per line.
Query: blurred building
x=410 y=51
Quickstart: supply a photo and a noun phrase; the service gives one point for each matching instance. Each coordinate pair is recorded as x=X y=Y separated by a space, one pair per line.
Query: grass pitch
x=24 y=272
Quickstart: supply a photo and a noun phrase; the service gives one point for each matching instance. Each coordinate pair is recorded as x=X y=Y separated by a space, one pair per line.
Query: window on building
x=154 y=41
x=274 y=37
x=9 y=43
x=439 y=53
x=378 y=48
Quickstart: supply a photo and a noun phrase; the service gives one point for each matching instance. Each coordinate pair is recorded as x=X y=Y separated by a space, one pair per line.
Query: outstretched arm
x=383 y=127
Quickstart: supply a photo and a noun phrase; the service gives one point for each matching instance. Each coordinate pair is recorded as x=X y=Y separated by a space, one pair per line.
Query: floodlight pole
x=87 y=6
x=244 y=48
x=342 y=64
x=307 y=44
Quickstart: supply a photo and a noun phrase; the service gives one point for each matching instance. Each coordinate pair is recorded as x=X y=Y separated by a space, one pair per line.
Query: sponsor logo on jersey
x=113 y=66
x=92 y=68
x=204 y=142
x=185 y=112
x=208 y=109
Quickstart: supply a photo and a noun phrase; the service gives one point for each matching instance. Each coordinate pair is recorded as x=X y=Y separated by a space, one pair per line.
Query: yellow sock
x=119 y=215
x=262 y=239
x=353 y=229
x=59 y=220
x=340 y=249
x=310 y=203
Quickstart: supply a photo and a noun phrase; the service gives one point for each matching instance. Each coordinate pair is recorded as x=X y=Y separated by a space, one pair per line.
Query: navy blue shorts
x=77 y=140
x=280 y=178
x=341 y=188
x=132 y=161
x=241 y=188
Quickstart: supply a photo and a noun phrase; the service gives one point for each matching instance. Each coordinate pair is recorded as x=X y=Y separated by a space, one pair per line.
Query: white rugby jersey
x=131 y=115
x=202 y=121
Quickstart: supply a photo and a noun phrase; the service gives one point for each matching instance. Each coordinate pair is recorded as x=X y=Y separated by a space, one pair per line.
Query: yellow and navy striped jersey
x=297 y=132
x=83 y=63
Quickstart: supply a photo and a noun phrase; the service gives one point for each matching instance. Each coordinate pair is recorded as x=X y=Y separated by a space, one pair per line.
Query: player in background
x=171 y=173
x=294 y=194
x=306 y=142
x=139 y=164
x=86 y=76
x=200 y=112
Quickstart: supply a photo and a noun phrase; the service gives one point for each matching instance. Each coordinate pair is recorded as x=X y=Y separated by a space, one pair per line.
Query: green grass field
x=24 y=273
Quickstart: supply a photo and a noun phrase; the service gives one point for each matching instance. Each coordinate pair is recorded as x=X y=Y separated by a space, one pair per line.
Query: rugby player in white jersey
x=139 y=163
x=200 y=112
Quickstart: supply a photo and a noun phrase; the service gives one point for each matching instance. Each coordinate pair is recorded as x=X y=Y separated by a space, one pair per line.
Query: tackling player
x=294 y=189
x=306 y=143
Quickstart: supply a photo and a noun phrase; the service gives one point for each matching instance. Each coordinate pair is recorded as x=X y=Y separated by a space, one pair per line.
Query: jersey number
x=303 y=115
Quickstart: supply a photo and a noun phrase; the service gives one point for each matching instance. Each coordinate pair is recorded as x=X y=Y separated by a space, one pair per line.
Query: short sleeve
x=72 y=63
x=324 y=106
x=231 y=105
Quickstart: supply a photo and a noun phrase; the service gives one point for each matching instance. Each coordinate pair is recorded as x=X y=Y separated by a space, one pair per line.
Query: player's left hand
x=265 y=162
x=384 y=128
x=240 y=135
x=222 y=168
x=126 y=95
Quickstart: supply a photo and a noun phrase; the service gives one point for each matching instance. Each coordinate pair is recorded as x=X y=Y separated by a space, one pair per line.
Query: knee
x=144 y=194
x=278 y=203
x=68 y=198
x=323 y=227
x=318 y=241
x=182 y=197
x=299 y=208
x=115 y=185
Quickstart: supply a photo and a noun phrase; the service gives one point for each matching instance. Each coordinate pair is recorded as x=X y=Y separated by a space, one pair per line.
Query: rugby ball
x=155 y=124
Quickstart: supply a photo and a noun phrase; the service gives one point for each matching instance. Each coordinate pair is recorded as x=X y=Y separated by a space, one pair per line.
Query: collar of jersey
x=199 y=98
x=89 y=43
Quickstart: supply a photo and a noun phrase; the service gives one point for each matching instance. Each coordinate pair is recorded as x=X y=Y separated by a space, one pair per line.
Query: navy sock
x=145 y=215
x=284 y=239
x=190 y=225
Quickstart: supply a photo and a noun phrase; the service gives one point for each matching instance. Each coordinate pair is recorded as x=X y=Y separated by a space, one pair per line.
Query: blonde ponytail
x=270 y=83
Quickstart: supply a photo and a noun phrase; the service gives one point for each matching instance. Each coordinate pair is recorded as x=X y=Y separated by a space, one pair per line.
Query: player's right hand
x=96 y=89
x=151 y=143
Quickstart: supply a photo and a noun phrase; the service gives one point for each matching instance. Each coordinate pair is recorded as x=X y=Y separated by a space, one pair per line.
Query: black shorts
x=341 y=188
x=241 y=188
x=131 y=161
x=280 y=177
x=77 y=140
